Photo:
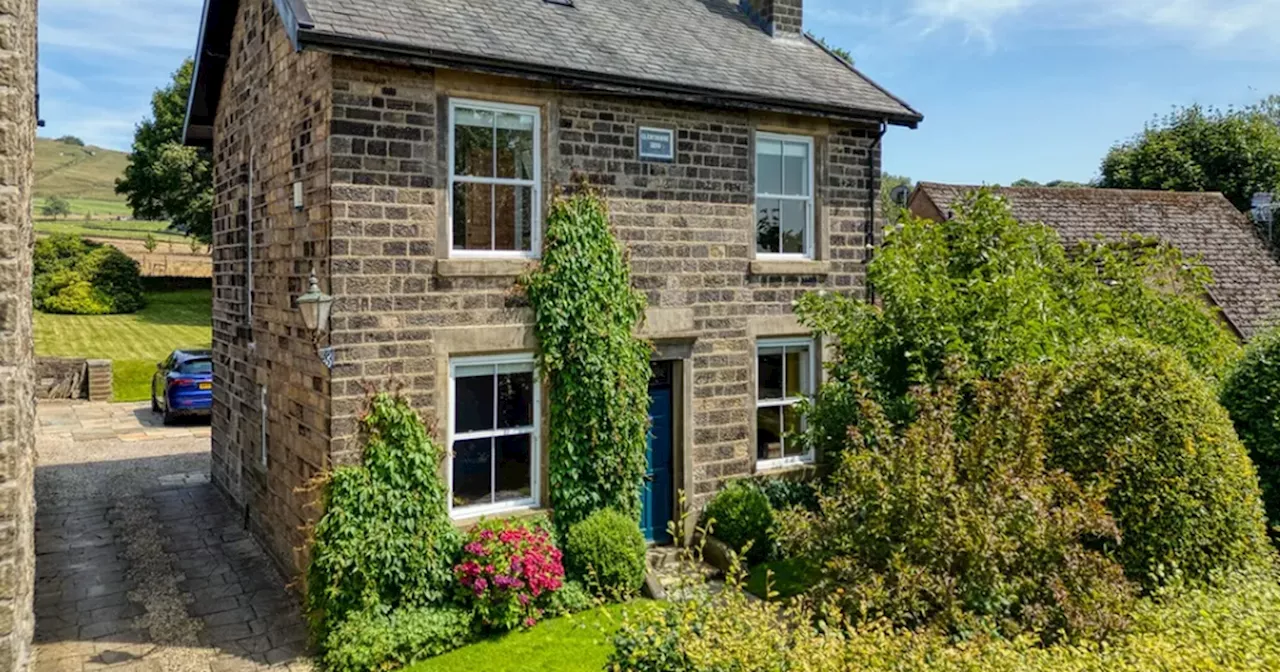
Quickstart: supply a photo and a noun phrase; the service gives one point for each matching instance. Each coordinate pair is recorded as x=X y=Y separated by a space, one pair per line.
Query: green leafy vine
x=585 y=311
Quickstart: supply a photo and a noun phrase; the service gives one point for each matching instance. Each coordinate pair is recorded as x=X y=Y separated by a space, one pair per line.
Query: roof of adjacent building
x=696 y=50
x=1246 y=274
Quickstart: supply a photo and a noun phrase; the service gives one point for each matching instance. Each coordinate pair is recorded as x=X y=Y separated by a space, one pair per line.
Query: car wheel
x=155 y=405
x=167 y=418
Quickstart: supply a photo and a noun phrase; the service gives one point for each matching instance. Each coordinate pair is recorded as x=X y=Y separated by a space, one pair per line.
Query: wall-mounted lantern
x=315 y=307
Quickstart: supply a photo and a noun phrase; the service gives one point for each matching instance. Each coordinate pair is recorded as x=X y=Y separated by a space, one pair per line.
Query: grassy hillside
x=80 y=173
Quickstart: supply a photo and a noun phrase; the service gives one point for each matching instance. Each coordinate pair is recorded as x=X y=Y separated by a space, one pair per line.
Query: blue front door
x=659 y=494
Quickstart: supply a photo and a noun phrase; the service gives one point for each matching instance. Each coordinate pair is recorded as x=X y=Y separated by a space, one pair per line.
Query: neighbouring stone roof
x=1246 y=275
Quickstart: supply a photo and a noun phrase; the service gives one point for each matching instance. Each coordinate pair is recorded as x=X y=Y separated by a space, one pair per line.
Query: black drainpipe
x=869 y=236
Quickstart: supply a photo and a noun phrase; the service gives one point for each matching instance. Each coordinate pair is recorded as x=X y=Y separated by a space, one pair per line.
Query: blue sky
x=1009 y=88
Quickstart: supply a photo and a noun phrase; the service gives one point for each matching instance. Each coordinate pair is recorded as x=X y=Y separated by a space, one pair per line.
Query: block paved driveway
x=141 y=564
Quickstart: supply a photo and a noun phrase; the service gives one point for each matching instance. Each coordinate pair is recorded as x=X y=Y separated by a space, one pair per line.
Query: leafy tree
x=1052 y=184
x=164 y=178
x=71 y=140
x=838 y=51
x=997 y=293
x=1236 y=152
x=55 y=207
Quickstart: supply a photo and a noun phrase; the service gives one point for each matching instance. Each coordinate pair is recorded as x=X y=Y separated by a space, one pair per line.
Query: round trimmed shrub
x=74 y=276
x=1133 y=420
x=740 y=515
x=1251 y=394
x=607 y=551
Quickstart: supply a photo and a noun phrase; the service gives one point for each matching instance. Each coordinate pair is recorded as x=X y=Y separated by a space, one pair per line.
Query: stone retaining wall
x=71 y=378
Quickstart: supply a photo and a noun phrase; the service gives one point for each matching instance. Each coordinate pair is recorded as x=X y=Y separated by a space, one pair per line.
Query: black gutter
x=873 y=196
x=631 y=86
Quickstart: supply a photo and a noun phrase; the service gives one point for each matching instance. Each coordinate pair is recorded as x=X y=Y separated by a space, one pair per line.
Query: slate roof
x=700 y=50
x=1246 y=275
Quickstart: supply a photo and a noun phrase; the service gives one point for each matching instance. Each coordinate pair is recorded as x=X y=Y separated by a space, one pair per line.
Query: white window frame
x=535 y=221
x=810 y=382
x=807 y=255
x=534 y=431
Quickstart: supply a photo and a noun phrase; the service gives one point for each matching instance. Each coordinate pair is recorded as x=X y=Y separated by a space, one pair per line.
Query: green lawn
x=790 y=577
x=107 y=228
x=134 y=343
x=578 y=643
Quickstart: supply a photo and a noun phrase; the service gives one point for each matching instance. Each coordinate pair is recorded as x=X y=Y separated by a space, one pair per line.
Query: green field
x=86 y=174
x=134 y=343
x=578 y=643
x=108 y=228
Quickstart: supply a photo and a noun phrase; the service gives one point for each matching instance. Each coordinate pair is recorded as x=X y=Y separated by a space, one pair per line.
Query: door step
x=675 y=573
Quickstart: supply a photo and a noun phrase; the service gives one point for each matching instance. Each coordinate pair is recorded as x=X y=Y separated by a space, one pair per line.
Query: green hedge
x=371 y=641
x=78 y=277
x=1227 y=629
x=1133 y=421
x=1251 y=394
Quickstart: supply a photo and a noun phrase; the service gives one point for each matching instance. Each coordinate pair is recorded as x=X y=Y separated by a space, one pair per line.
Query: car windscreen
x=196 y=366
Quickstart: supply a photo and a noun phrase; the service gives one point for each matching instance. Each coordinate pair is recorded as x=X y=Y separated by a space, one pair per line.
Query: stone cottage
x=406 y=150
x=1204 y=226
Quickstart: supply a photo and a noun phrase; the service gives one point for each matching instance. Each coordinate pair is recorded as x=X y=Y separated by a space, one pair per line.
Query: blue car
x=183 y=385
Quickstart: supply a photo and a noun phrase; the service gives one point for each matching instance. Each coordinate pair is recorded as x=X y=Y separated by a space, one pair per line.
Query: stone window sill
x=771 y=267
x=483 y=268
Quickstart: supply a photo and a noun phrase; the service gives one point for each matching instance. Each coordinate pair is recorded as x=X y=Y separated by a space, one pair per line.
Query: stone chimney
x=779 y=18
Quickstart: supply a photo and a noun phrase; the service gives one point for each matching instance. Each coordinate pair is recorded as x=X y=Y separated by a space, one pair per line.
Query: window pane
x=795 y=215
x=795 y=169
x=792 y=424
x=472 y=472
x=196 y=366
x=769 y=372
x=473 y=142
x=514 y=211
x=797 y=372
x=472 y=216
x=768 y=433
x=515 y=145
x=768 y=167
x=473 y=405
x=768 y=210
x=513 y=472
x=515 y=400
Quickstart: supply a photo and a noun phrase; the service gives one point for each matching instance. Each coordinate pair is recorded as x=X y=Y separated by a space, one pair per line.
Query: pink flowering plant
x=508 y=571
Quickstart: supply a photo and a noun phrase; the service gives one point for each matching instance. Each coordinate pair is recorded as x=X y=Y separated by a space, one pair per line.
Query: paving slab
x=141 y=564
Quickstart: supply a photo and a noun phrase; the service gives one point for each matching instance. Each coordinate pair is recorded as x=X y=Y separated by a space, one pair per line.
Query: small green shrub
x=1133 y=421
x=955 y=523
x=572 y=598
x=372 y=641
x=73 y=276
x=741 y=517
x=385 y=540
x=607 y=551
x=585 y=315
x=786 y=493
x=1251 y=394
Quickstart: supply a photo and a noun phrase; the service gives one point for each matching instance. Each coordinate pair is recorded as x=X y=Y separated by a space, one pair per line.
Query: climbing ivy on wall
x=585 y=313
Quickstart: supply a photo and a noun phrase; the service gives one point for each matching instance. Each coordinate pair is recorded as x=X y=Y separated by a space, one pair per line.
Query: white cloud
x=1227 y=26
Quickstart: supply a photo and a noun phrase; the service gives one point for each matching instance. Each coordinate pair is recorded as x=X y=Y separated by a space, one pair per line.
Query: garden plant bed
x=134 y=342
x=790 y=577
x=577 y=643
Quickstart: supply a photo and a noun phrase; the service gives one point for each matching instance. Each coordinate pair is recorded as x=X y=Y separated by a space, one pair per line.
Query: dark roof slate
x=703 y=44
x=698 y=50
x=1246 y=276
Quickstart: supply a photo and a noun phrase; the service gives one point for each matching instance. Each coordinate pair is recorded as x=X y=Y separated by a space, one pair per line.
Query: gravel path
x=141 y=565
